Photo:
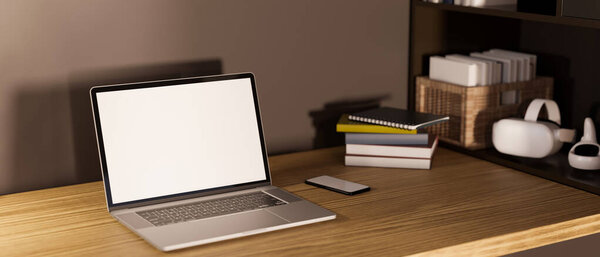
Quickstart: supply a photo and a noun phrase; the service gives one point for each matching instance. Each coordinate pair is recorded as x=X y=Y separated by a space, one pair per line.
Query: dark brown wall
x=304 y=54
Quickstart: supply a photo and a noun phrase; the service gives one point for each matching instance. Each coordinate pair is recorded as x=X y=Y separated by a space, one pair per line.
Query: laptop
x=184 y=162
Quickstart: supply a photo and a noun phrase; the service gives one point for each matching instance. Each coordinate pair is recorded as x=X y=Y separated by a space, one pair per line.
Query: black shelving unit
x=512 y=12
x=566 y=48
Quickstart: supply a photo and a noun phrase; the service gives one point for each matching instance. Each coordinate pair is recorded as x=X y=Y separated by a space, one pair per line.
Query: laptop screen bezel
x=180 y=196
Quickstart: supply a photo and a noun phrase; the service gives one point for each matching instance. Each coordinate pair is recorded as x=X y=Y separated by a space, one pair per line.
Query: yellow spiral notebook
x=346 y=125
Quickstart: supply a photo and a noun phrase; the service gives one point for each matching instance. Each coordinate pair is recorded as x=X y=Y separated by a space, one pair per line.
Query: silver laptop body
x=184 y=162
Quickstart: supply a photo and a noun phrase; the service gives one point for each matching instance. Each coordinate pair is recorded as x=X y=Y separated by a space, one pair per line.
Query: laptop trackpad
x=212 y=227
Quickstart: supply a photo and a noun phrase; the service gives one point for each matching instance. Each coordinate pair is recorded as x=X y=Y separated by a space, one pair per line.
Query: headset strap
x=566 y=135
x=533 y=110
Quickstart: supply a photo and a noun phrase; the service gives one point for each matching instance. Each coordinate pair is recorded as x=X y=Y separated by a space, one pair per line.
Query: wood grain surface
x=462 y=206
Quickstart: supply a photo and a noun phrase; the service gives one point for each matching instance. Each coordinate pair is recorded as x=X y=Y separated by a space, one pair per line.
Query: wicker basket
x=473 y=110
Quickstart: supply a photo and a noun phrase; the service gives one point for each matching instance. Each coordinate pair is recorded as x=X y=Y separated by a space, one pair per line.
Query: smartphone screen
x=337 y=185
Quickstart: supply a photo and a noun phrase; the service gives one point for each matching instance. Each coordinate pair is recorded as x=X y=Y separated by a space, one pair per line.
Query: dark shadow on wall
x=55 y=142
x=43 y=154
x=324 y=120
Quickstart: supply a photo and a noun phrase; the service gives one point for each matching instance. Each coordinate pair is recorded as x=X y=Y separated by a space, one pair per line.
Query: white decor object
x=529 y=137
x=585 y=155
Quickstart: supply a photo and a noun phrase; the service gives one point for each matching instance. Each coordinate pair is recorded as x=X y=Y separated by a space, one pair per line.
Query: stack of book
x=389 y=138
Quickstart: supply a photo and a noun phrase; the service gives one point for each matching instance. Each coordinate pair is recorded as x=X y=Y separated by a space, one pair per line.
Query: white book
x=480 y=3
x=425 y=151
x=506 y=65
x=523 y=73
x=514 y=65
x=496 y=69
x=387 y=139
x=451 y=71
x=497 y=72
x=387 y=162
x=485 y=68
x=532 y=60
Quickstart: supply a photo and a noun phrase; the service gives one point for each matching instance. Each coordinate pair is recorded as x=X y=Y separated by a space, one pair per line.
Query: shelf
x=564 y=44
x=510 y=11
x=555 y=167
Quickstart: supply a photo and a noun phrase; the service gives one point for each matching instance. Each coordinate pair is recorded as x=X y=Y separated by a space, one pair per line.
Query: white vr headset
x=530 y=137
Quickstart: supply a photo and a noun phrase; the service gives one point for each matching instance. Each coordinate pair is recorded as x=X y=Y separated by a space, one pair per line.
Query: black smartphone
x=337 y=185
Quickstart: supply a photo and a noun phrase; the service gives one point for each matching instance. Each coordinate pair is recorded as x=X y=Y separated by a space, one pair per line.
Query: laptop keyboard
x=211 y=208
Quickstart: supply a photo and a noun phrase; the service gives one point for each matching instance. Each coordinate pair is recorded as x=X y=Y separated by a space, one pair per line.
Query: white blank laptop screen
x=175 y=139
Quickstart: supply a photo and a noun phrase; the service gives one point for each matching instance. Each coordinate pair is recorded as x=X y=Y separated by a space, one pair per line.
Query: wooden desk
x=462 y=206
